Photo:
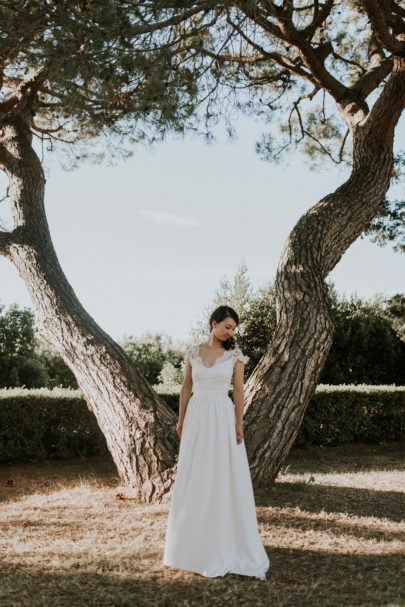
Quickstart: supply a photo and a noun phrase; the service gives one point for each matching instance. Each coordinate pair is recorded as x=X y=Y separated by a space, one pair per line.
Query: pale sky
x=145 y=243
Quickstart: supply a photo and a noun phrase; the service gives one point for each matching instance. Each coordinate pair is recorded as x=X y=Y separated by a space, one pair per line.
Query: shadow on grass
x=317 y=498
x=351 y=457
x=302 y=524
x=296 y=578
x=19 y=480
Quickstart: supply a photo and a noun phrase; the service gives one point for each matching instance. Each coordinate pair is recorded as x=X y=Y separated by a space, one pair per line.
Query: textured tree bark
x=278 y=391
x=138 y=426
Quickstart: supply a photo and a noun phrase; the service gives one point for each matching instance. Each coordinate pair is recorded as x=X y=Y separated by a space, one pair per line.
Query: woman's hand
x=179 y=429
x=239 y=433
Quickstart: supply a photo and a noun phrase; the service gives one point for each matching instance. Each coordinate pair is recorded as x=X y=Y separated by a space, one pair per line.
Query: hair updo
x=219 y=314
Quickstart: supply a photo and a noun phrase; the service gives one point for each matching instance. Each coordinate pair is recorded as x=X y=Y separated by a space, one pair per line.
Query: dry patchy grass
x=333 y=525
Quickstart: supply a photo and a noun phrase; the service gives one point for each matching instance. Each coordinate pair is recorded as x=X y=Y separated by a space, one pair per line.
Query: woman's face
x=225 y=329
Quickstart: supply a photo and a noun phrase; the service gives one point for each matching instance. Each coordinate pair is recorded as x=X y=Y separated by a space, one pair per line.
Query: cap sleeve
x=190 y=355
x=238 y=355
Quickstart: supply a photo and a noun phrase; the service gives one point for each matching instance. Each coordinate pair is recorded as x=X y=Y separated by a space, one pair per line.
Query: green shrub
x=45 y=424
x=347 y=413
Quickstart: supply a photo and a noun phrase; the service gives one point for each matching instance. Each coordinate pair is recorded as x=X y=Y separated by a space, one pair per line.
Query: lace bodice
x=219 y=375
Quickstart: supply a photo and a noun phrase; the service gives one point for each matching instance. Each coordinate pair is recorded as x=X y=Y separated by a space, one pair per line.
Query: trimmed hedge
x=41 y=423
x=44 y=424
x=353 y=413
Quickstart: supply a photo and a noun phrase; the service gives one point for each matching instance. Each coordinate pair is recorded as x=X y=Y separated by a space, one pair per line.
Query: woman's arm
x=185 y=394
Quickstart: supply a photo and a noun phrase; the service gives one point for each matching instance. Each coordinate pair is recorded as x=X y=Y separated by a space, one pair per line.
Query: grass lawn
x=333 y=526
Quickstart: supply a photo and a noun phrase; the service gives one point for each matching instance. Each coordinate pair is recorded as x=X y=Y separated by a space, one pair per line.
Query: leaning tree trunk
x=138 y=426
x=278 y=391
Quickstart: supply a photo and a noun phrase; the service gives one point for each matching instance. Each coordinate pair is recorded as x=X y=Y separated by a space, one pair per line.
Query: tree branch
x=12 y=81
x=371 y=79
x=318 y=18
x=287 y=32
x=175 y=20
x=397 y=10
x=342 y=146
x=284 y=62
x=304 y=131
x=378 y=20
x=25 y=91
x=240 y=59
x=257 y=17
x=348 y=61
x=389 y=106
x=9 y=238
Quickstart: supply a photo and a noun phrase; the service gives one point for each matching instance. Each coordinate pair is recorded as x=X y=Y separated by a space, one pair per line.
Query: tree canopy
x=90 y=68
x=97 y=63
x=131 y=71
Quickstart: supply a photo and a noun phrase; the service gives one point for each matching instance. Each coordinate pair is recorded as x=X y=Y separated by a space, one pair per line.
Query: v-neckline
x=216 y=360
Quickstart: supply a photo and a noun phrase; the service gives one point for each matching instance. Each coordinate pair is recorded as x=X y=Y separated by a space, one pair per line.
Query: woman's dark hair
x=219 y=314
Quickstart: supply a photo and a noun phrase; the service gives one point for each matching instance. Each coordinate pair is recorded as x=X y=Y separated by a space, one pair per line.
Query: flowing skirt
x=212 y=526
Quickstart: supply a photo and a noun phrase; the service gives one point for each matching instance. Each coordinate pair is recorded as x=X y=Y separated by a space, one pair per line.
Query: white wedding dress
x=212 y=526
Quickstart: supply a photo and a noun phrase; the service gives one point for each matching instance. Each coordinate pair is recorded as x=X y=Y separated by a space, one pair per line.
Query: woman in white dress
x=212 y=526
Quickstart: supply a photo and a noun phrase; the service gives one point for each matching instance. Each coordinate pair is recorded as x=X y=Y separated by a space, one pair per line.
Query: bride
x=212 y=526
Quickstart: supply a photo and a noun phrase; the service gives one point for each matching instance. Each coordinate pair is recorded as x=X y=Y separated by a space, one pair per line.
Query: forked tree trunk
x=278 y=391
x=138 y=426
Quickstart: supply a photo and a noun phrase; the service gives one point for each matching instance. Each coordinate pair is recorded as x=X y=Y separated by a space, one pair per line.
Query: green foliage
x=388 y=225
x=346 y=414
x=17 y=331
x=366 y=346
x=126 y=72
x=45 y=424
x=19 y=365
x=259 y=325
x=137 y=69
x=25 y=361
x=54 y=424
x=395 y=311
x=150 y=353
x=105 y=74
x=170 y=376
x=58 y=373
